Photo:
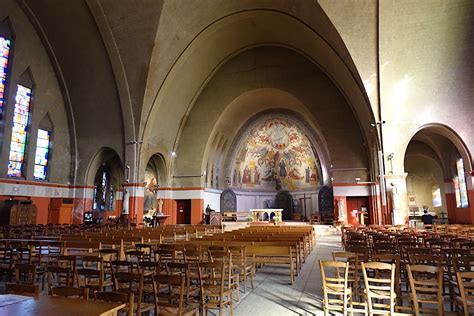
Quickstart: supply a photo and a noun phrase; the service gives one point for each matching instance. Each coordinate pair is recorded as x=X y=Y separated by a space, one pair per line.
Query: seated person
x=427 y=218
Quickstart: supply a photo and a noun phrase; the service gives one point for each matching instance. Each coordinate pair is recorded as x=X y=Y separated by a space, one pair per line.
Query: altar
x=265 y=215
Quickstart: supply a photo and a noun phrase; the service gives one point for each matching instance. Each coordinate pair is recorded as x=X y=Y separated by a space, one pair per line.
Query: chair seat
x=165 y=311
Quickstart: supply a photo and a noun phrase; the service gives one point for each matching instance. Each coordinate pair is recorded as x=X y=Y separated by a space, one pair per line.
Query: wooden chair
x=465 y=302
x=91 y=275
x=135 y=257
x=59 y=276
x=69 y=291
x=19 y=288
x=393 y=259
x=354 y=267
x=379 y=288
x=6 y=262
x=25 y=273
x=216 y=290
x=426 y=284
x=171 y=299
x=118 y=298
x=132 y=283
x=336 y=292
x=241 y=266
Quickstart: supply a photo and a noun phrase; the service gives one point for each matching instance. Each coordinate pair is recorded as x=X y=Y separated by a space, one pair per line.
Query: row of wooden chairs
x=426 y=294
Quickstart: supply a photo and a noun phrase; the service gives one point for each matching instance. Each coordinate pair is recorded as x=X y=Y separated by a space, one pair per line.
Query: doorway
x=356 y=205
x=183 y=215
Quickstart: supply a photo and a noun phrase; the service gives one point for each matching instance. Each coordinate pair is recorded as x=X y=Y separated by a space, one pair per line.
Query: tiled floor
x=273 y=295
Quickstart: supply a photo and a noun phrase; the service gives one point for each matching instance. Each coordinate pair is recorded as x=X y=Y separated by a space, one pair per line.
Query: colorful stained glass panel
x=4 y=52
x=19 y=131
x=42 y=155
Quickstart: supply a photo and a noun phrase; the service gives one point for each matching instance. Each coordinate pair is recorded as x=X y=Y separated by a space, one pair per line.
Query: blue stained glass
x=5 y=51
x=42 y=155
x=19 y=131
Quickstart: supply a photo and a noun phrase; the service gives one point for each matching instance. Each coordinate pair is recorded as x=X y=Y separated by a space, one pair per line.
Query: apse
x=275 y=154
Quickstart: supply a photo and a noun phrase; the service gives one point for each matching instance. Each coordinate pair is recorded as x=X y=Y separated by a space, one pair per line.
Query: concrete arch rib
x=222 y=40
x=448 y=133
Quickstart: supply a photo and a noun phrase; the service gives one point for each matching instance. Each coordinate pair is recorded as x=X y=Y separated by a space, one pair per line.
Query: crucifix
x=303 y=201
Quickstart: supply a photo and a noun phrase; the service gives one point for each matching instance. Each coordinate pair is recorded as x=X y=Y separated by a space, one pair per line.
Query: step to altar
x=321 y=230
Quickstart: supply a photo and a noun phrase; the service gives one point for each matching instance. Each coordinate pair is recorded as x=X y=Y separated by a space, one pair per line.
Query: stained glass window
x=462 y=187
x=4 y=52
x=42 y=155
x=103 y=191
x=19 y=131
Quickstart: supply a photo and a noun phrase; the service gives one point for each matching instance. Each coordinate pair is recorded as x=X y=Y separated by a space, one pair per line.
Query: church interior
x=310 y=150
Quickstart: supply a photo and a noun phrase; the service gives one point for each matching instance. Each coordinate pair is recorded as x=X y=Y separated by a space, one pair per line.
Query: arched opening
x=155 y=176
x=438 y=170
x=105 y=174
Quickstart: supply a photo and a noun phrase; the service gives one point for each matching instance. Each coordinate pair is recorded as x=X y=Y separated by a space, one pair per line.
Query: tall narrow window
x=103 y=191
x=4 y=52
x=19 y=131
x=436 y=194
x=462 y=187
x=42 y=155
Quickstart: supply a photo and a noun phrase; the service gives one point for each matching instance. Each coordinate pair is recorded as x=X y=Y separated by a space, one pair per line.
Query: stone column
x=397 y=185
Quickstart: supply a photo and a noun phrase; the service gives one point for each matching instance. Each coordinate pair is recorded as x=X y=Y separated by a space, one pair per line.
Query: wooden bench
x=273 y=254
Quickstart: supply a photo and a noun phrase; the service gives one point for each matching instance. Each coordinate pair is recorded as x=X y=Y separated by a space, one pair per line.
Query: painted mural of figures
x=282 y=166
x=307 y=174
x=246 y=177
x=295 y=174
x=234 y=178
x=239 y=177
x=314 y=173
x=257 y=176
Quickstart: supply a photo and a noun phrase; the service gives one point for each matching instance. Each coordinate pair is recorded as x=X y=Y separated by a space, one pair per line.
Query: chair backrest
x=379 y=287
x=19 y=288
x=426 y=283
x=25 y=273
x=216 y=274
x=171 y=294
x=463 y=264
x=22 y=255
x=127 y=298
x=429 y=260
x=466 y=289
x=69 y=291
x=129 y=282
x=334 y=277
x=59 y=276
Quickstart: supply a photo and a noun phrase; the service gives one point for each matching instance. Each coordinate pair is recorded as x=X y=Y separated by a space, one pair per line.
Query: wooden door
x=356 y=204
x=183 y=210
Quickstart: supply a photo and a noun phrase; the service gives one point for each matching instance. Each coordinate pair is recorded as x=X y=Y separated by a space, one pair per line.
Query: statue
x=160 y=207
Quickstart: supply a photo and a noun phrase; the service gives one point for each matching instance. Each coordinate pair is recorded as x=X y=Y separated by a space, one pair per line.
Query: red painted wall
x=460 y=215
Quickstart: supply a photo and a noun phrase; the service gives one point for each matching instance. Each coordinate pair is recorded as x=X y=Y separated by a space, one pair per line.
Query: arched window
x=4 y=54
x=460 y=187
x=104 y=190
x=21 y=117
x=43 y=146
x=436 y=195
x=42 y=155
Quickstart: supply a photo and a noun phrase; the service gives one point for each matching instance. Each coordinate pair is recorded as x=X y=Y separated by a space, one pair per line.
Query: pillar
x=397 y=186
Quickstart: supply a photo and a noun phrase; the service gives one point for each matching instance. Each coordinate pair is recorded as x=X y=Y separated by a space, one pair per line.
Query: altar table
x=258 y=215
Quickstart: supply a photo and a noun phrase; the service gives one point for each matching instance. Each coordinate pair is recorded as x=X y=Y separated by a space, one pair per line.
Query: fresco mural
x=276 y=155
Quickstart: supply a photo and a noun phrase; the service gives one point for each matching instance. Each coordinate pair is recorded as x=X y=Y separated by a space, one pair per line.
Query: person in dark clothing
x=427 y=218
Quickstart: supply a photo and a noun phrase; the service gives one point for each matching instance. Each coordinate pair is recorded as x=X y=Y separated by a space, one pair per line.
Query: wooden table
x=51 y=306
